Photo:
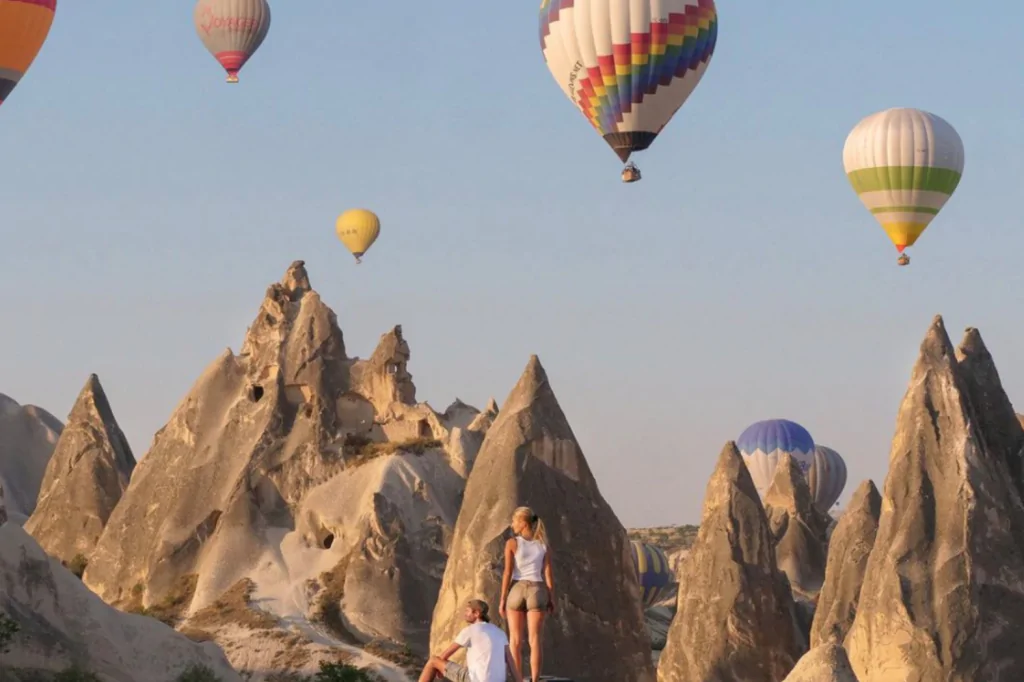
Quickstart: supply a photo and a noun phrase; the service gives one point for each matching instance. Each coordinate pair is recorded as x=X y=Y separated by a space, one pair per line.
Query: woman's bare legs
x=535 y=621
x=516 y=622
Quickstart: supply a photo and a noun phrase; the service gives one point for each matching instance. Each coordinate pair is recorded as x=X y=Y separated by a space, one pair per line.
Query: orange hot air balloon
x=24 y=25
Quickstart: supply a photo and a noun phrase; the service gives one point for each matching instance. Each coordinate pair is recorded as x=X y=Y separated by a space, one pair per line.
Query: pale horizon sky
x=147 y=206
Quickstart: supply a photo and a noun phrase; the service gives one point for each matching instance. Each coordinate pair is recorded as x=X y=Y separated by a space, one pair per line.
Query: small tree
x=8 y=629
x=78 y=565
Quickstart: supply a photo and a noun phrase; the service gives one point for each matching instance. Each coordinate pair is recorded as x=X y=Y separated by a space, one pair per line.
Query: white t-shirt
x=485 y=651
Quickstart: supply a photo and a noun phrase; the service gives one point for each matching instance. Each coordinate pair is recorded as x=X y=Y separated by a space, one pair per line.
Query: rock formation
x=531 y=457
x=62 y=623
x=798 y=527
x=301 y=469
x=998 y=421
x=943 y=594
x=27 y=437
x=735 y=614
x=825 y=663
x=848 y=553
x=87 y=474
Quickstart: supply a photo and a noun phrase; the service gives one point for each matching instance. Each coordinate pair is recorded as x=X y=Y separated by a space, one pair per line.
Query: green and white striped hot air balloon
x=904 y=165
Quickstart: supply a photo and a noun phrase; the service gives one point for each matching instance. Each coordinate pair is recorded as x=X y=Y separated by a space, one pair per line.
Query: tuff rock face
x=943 y=594
x=85 y=478
x=735 y=613
x=848 y=553
x=285 y=462
x=827 y=662
x=798 y=527
x=61 y=622
x=28 y=435
x=997 y=420
x=531 y=457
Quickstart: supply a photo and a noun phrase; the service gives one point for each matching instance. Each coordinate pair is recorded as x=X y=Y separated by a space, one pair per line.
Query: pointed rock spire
x=530 y=457
x=384 y=378
x=798 y=527
x=848 y=552
x=28 y=435
x=735 y=614
x=492 y=406
x=943 y=592
x=997 y=420
x=89 y=471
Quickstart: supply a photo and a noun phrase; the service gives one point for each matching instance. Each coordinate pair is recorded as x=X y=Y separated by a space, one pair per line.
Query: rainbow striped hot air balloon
x=232 y=30
x=763 y=442
x=628 y=65
x=904 y=165
x=24 y=26
x=653 y=571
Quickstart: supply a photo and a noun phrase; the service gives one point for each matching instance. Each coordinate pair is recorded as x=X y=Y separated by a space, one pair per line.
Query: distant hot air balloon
x=826 y=477
x=628 y=65
x=763 y=442
x=358 y=230
x=24 y=26
x=904 y=165
x=232 y=30
x=652 y=568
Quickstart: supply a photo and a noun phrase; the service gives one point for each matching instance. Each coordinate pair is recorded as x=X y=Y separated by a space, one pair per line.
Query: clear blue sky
x=147 y=205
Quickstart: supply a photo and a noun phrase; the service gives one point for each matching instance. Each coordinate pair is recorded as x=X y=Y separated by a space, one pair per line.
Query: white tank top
x=529 y=560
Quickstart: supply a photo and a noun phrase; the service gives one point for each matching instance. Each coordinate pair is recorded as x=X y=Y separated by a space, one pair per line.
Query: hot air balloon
x=652 y=568
x=904 y=165
x=763 y=442
x=358 y=229
x=628 y=65
x=826 y=477
x=232 y=30
x=24 y=26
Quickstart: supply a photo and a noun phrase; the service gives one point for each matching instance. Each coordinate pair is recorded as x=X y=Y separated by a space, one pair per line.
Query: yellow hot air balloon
x=358 y=229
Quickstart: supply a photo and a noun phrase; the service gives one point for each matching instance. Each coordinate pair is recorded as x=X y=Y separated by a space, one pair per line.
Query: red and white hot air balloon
x=232 y=30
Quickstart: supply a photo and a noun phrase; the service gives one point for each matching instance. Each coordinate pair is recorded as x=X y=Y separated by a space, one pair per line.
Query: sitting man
x=487 y=657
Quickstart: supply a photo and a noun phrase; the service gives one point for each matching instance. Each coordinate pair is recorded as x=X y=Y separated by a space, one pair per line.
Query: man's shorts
x=528 y=596
x=455 y=672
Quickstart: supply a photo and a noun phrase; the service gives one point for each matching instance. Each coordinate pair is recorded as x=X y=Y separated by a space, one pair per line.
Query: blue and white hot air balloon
x=656 y=578
x=826 y=478
x=762 y=444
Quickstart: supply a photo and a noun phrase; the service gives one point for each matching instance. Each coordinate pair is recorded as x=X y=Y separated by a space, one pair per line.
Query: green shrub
x=341 y=672
x=198 y=673
x=8 y=629
x=75 y=674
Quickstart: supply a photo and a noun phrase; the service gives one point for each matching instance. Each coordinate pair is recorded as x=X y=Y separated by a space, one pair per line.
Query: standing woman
x=527 y=588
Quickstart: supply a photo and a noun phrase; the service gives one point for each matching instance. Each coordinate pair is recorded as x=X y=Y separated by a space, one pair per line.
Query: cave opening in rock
x=328 y=540
x=257 y=393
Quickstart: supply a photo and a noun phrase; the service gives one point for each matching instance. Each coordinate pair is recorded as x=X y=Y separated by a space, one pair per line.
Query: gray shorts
x=528 y=596
x=455 y=672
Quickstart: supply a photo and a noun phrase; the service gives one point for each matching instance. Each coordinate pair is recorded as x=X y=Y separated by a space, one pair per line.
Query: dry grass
x=196 y=635
x=328 y=612
x=360 y=450
x=169 y=610
x=401 y=656
x=234 y=608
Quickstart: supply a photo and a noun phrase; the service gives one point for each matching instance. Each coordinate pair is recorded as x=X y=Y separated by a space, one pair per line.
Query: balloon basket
x=904 y=259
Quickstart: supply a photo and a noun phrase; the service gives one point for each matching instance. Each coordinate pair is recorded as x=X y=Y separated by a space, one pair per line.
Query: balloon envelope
x=826 y=477
x=904 y=165
x=232 y=30
x=763 y=442
x=358 y=229
x=24 y=26
x=628 y=65
x=652 y=568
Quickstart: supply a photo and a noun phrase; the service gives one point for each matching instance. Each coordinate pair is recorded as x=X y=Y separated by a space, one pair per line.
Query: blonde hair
x=535 y=523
